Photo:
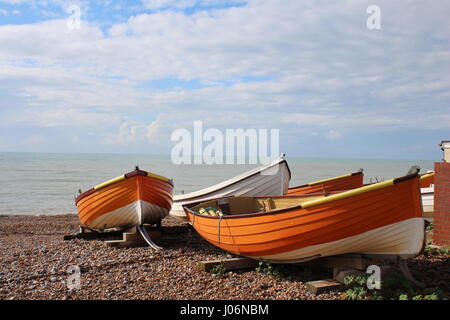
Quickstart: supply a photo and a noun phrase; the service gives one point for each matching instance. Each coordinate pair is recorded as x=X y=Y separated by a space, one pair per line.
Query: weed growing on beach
x=428 y=294
x=268 y=268
x=219 y=269
x=287 y=272
x=431 y=252
x=356 y=286
x=393 y=287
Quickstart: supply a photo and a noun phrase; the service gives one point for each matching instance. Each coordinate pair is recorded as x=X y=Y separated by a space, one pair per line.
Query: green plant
x=393 y=286
x=434 y=294
x=268 y=268
x=219 y=269
x=435 y=251
x=356 y=286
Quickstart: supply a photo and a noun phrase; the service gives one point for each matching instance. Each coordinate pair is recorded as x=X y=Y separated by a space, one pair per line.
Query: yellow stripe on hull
x=348 y=194
x=329 y=179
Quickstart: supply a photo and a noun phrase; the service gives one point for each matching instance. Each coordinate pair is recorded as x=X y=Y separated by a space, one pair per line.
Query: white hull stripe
x=135 y=213
x=403 y=238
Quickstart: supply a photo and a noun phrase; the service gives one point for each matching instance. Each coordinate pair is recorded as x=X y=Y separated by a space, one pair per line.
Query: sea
x=46 y=183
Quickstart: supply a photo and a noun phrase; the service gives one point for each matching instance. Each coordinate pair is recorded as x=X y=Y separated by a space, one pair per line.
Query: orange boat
x=340 y=183
x=380 y=219
x=136 y=198
x=427 y=179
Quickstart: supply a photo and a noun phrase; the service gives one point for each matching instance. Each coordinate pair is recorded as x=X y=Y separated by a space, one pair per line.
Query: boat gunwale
x=132 y=174
x=279 y=211
x=328 y=180
x=303 y=195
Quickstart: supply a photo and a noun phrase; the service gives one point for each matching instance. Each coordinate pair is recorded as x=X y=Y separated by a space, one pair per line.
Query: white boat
x=268 y=180
x=428 y=199
x=427 y=193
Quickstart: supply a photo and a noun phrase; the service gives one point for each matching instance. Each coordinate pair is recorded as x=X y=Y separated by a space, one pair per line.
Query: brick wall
x=441 y=221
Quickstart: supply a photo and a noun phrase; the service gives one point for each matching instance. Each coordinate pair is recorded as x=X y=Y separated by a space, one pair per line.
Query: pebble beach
x=34 y=260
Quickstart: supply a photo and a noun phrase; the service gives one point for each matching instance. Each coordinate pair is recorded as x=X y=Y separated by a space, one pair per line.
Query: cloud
x=177 y=4
x=184 y=4
x=300 y=65
x=130 y=132
x=333 y=135
x=60 y=117
x=14 y=1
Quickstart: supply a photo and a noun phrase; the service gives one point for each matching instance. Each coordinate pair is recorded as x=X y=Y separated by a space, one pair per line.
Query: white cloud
x=130 y=132
x=177 y=4
x=61 y=117
x=3 y=12
x=333 y=135
x=184 y=4
x=14 y=1
x=321 y=67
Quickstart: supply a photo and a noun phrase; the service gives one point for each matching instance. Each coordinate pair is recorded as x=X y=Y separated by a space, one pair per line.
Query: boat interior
x=249 y=205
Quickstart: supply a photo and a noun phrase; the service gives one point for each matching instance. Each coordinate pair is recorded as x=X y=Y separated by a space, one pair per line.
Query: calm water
x=45 y=183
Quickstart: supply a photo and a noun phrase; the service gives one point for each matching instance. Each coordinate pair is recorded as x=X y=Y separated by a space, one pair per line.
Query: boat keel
x=147 y=237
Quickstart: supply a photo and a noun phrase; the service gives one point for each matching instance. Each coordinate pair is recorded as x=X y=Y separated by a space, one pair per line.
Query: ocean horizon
x=46 y=183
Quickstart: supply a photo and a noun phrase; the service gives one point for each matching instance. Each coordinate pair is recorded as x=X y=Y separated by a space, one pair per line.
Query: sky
x=132 y=72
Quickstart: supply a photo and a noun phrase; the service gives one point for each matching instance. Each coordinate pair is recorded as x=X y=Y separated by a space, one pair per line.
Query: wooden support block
x=128 y=236
x=322 y=286
x=229 y=264
x=131 y=240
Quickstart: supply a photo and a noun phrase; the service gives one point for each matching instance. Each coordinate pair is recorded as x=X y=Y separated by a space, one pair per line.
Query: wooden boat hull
x=346 y=182
x=267 y=180
x=382 y=219
x=427 y=190
x=427 y=180
x=428 y=199
x=133 y=199
x=355 y=180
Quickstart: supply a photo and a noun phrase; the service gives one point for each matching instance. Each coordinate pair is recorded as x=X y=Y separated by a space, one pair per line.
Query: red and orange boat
x=340 y=183
x=427 y=179
x=136 y=198
x=380 y=219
